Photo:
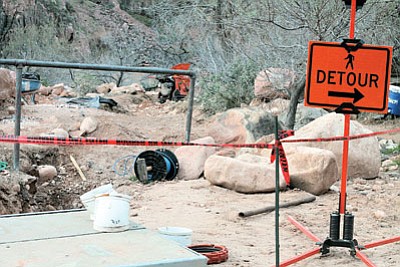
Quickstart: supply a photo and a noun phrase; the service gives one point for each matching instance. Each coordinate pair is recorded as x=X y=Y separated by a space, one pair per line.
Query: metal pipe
x=65 y=65
x=20 y=63
x=17 y=123
x=277 y=187
x=190 y=108
x=271 y=208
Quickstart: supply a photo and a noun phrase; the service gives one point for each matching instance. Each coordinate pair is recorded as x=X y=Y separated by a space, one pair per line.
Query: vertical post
x=276 y=193
x=17 y=127
x=343 y=184
x=190 y=108
x=352 y=18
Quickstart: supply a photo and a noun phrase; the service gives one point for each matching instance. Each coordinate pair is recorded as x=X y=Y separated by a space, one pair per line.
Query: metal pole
x=20 y=63
x=17 y=127
x=190 y=108
x=276 y=193
x=343 y=182
x=66 y=65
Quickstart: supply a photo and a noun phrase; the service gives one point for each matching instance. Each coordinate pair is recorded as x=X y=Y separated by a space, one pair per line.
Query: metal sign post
x=331 y=84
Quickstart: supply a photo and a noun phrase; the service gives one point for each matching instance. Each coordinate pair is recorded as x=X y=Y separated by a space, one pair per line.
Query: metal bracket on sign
x=347 y=108
x=349 y=49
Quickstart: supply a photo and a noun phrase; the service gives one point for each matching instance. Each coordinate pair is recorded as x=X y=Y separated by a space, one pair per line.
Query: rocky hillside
x=83 y=26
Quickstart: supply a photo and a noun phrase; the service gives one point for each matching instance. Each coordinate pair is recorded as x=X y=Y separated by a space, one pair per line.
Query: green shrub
x=229 y=88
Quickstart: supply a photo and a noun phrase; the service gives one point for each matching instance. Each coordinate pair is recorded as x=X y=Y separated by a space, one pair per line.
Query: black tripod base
x=328 y=243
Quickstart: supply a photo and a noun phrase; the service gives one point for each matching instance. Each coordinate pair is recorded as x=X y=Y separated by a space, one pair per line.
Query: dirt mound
x=138 y=117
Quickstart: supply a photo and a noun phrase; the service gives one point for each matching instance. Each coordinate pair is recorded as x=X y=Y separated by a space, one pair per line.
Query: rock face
x=246 y=174
x=192 y=158
x=311 y=169
x=364 y=155
x=239 y=126
x=274 y=83
x=7 y=83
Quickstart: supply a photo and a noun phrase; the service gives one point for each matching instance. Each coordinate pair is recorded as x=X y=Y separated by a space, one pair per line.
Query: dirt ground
x=210 y=211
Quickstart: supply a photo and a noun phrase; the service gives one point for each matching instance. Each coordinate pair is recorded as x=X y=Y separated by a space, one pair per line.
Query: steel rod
x=271 y=208
x=17 y=118
x=190 y=109
x=104 y=67
x=276 y=192
x=343 y=183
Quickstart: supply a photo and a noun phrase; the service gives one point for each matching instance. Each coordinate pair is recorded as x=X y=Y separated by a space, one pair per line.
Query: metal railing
x=20 y=64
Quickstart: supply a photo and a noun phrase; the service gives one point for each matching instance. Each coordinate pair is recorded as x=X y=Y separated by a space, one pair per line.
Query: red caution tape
x=50 y=140
x=341 y=138
x=282 y=162
x=282 y=156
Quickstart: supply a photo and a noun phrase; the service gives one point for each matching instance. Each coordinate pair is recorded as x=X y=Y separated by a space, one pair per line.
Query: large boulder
x=364 y=158
x=7 y=83
x=241 y=125
x=274 y=83
x=192 y=158
x=312 y=170
x=245 y=174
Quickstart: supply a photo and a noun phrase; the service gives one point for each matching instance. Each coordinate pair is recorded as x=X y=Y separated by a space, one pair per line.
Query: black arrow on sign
x=357 y=95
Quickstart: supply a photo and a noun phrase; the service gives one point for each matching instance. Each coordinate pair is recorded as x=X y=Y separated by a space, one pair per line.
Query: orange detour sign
x=348 y=74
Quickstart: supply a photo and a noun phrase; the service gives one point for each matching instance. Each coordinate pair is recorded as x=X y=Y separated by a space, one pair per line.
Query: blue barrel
x=30 y=85
x=394 y=100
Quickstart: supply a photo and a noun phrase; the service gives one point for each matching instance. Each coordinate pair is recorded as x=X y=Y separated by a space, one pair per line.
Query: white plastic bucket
x=180 y=235
x=111 y=212
x=88 y=198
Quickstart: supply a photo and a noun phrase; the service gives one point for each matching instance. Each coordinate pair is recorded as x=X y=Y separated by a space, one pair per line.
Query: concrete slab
x=47 y=225
x=67 y=239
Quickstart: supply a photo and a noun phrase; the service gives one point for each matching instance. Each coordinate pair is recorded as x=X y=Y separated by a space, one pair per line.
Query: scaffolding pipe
x=17 y=122
x=20 y=63
x=190 y=108
x=65 y=65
